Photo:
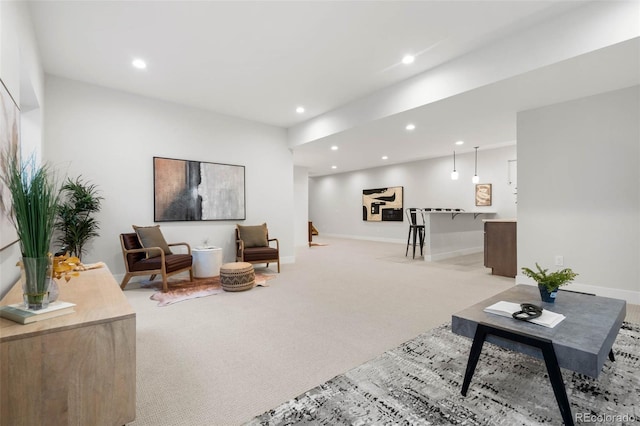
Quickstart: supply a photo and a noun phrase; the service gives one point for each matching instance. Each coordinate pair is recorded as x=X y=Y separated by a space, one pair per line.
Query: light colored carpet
x=223 y=360
x=633 y=313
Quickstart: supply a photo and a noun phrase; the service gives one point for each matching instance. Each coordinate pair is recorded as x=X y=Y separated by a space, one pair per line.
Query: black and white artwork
x=196 y=190
x=382 y=204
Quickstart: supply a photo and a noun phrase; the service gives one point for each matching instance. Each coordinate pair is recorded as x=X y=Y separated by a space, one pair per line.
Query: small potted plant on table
x=34 y=193
x=549 y=282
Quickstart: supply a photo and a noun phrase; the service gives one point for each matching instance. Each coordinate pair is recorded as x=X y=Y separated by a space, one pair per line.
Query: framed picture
x=196 y=190
x=382 y=204
x=9 y=146
x=483 y=194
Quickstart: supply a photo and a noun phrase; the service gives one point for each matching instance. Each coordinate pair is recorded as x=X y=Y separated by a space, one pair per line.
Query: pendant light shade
x=476 y=178
x=454 y=173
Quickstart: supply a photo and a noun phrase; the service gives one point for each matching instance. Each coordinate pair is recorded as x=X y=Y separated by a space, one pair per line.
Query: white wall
x=21 y=72
x=335 y=201
x=110 y=138
x=579 y=191
x=301 y=200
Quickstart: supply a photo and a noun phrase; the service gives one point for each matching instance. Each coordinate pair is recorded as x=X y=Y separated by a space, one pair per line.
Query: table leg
x=474 y=356
x=555 y=376
x=550 y=359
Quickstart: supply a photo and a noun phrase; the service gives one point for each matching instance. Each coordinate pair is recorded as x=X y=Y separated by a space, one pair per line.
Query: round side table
x=206 y=261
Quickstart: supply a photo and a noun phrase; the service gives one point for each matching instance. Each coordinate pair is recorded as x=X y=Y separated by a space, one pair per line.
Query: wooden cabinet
x=75 y=369
x=500 y=247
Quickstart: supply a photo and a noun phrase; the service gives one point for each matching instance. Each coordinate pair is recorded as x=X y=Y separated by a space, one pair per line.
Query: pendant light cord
x=476 y=170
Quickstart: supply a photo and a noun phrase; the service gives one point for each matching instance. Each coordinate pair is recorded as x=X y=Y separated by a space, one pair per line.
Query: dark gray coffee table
x=581 y=342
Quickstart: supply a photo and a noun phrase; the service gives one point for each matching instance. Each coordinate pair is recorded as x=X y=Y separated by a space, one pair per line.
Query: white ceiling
x=484 y=117
x=259 y=60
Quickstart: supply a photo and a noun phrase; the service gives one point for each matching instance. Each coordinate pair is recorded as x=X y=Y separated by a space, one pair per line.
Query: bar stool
x=416 y=229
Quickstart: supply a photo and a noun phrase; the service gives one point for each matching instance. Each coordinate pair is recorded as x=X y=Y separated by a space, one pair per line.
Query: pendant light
x=476 y=178
x=454 y=173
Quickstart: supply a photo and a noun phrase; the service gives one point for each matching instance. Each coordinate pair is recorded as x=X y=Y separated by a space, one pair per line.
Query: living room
x=578 y=186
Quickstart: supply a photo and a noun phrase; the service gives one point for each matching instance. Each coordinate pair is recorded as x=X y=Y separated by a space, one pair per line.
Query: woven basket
x=237 y=276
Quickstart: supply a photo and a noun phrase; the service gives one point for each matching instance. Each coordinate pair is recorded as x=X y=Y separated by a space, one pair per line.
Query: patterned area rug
x=200 y=287
x=418 y=383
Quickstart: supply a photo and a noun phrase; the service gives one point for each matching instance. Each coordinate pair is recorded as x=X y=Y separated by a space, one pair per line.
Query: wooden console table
x=75 y=369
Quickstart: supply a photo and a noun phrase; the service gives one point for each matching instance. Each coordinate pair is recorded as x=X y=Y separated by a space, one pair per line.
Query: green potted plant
x=34 y=200
x=75 y=221
x=549 y=282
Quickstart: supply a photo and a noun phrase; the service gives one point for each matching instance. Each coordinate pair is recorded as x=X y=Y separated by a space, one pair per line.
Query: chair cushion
x=260 y=253
x=174 y=262
x=132 y=242
x=253 y=236
x=150 y=236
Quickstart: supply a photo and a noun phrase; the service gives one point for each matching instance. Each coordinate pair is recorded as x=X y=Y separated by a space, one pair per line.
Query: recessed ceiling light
x=139 y=63
x=408 y=59
x=384 y=157
x=334 y=148
x=334 y=167
x=300 y=110
x=410 y=126
x=460 y=143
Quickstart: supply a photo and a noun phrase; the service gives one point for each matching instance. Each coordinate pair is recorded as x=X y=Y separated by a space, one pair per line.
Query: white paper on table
x=506 y=309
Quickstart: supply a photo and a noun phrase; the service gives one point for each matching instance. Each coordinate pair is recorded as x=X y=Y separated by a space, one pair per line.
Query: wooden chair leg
x=125 y=280
x=165 y=284
x=191 y=274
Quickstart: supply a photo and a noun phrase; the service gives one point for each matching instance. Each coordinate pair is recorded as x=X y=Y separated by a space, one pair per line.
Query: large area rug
x=418 y=383
x=200 y=287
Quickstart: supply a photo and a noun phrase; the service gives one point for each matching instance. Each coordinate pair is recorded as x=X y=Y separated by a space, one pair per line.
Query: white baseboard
x=427 y=257
x=365 y=238
x=454 y=253
x=632 y=297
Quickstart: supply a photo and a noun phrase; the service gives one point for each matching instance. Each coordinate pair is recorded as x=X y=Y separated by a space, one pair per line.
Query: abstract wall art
x=9 y=146
x=382 y=204
x=196 y=190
